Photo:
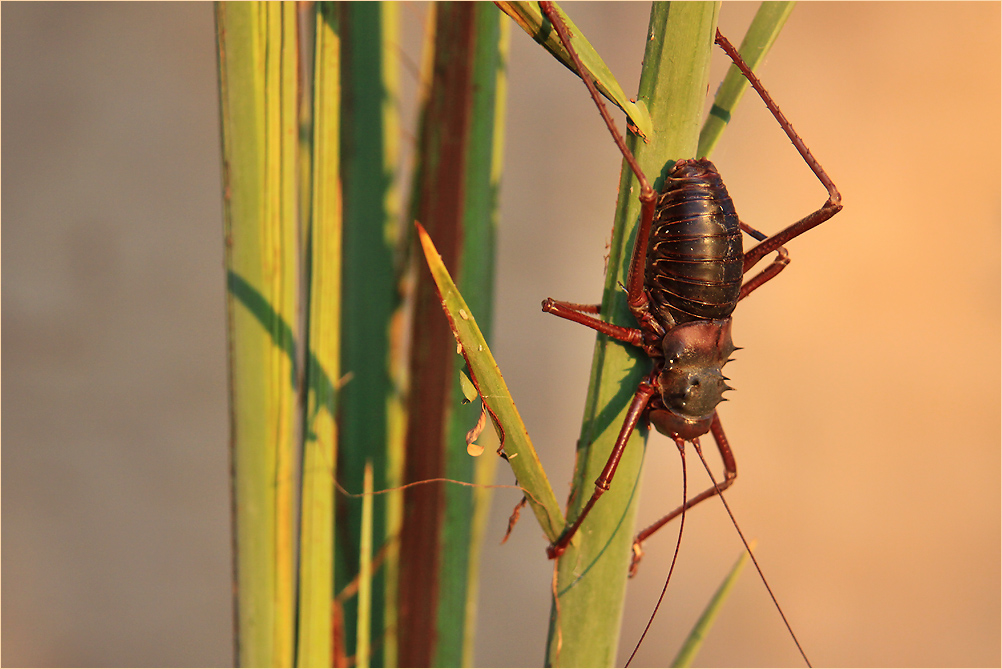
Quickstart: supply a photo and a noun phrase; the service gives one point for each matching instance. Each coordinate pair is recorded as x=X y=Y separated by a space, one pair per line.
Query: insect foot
x=636 y=556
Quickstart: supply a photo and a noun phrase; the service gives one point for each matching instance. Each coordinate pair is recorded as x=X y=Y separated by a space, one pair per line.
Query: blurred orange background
x=866 y=420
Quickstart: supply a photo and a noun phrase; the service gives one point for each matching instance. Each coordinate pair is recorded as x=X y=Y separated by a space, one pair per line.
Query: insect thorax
x=691 y=382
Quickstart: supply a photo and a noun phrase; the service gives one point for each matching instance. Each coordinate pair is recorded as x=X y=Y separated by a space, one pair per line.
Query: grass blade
x=761 y=35
x=453 y=195
x=490 y=385
x=323 y=249
x=490 y=73
x=585 y=622
x=258 y=82
x=370 y=299
x=702 y=627
x=529 y=17
x=363 y=637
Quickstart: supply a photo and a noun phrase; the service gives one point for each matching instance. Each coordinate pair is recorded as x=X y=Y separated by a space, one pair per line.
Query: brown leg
x=643 y=395
x=636 y=296
x=831 y=207
x=778 y=264
x=579 y=314
x=583 y=308
x=775 y=267
x=730 y=473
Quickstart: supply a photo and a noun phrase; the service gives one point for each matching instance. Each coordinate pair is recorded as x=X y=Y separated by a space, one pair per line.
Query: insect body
x=687 y=274
x=692 y=279
x=694 y=252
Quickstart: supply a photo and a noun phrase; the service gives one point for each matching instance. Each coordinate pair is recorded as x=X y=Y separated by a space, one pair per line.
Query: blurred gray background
x=866 y=417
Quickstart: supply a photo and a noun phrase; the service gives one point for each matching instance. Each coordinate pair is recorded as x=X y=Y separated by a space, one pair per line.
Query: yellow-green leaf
x=517 y=447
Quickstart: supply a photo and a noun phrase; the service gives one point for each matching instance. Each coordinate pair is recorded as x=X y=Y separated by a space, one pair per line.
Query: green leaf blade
x=370 y=301
x=761 y=35
x=585 y=622
x=694 y=641
x=455 y=196
x=529 y=17
x=323 y=244
x=492 y=388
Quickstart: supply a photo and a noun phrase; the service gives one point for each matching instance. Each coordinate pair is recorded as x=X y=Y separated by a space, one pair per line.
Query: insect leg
x=579 y=313
x=778 y=264
x=831 y=207
x=645 y=390
x=775 y=267
x=637 y=297
x=583 y=308
x=730 y=474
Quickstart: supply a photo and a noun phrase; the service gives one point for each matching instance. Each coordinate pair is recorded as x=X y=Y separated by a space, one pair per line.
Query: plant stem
x=368 y=160
x=591 y=578
x=258 y=84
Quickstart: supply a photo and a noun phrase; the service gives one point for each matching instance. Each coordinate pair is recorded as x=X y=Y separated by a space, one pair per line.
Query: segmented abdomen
x=694 y=254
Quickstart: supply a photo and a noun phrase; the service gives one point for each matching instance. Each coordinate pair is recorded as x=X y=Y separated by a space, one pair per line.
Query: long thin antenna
x=765 y=582
x=678 y=543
